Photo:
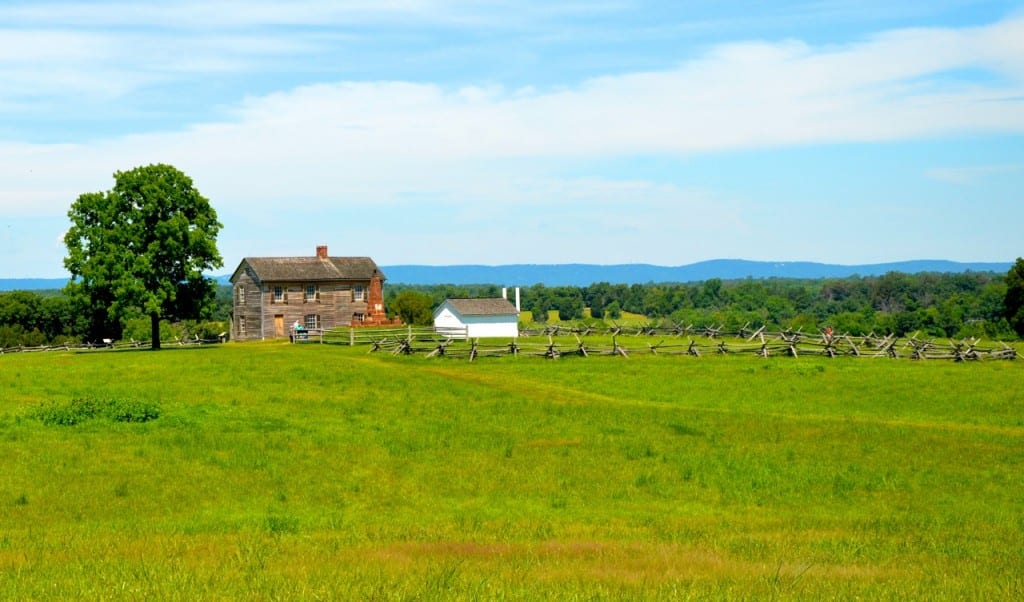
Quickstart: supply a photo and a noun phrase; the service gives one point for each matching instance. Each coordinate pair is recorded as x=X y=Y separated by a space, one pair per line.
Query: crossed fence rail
x=108 y=344
x=564 y=340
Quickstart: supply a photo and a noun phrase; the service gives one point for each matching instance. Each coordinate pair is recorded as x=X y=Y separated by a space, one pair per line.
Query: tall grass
x=279 y=471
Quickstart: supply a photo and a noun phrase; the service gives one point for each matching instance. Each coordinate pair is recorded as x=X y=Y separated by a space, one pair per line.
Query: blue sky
x=450 y=132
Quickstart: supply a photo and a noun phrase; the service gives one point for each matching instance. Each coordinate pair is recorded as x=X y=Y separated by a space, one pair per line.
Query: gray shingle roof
x=311 y=269
x=483 y=307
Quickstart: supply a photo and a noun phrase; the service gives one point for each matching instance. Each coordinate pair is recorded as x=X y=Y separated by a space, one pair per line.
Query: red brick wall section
x=375 y=314
x=375 y=297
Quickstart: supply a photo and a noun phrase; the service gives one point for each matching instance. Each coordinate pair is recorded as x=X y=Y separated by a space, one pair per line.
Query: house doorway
x=279 y=325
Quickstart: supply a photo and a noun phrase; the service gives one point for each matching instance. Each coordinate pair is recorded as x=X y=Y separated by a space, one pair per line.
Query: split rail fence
x=558 y=341
x=108 y=344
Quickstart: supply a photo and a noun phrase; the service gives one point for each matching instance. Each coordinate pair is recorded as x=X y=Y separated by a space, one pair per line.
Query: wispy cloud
x=966 y=175
x=376 y=139
x=494 y=155
x=248 y=13
x=117 y=57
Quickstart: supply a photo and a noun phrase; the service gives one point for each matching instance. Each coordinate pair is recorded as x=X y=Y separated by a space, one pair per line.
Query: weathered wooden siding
x=247 y=301
x=335 y=306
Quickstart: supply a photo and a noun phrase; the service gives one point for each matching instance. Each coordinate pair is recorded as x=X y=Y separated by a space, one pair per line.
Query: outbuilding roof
x=310 y=269
x=483 y=307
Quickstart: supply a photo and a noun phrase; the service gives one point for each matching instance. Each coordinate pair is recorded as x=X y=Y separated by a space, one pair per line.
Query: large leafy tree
x=141 y=249
x=1014 y=303
x=413 y=308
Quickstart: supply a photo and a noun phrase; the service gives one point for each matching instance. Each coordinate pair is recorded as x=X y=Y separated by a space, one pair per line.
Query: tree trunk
x=154 y=331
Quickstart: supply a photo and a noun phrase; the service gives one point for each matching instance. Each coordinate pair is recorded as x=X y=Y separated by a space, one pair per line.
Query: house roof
x=310 y=269
x=483 y=307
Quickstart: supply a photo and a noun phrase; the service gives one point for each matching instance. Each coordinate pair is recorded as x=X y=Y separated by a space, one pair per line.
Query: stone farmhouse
x=274 y=294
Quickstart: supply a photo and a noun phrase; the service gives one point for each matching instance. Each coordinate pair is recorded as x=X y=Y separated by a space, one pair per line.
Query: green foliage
x=140 y=329
x=940 y=305
x=570 y=308
x=413 y=307
x=1014 y=302
x=31 y=319
x=208 y=331
x=14 y=335
x=80 y=410
x=122 y=410
x=222 y=303
x=140 y=249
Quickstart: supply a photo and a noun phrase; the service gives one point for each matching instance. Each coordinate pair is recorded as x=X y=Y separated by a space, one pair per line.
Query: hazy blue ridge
x=726 y=269
x=583 y=274
x=32 y=284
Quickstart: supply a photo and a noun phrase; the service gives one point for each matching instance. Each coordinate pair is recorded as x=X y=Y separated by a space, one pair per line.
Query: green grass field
x=278 y=471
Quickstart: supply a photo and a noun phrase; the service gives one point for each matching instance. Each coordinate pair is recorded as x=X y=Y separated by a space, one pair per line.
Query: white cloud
x=966 y=175
x=239 y=14
x=374 y=140
x=358 y=144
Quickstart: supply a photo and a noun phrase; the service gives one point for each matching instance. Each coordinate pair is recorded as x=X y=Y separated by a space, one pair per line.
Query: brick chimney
x=375 y=302
x=321 y=251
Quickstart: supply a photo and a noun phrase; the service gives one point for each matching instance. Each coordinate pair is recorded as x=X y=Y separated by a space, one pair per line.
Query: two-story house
x=272 y=294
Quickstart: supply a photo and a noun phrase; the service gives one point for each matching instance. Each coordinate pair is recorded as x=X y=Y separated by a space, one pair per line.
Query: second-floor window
x=312 y=292
x=359 y=293
x=279 y=294
x=241 y=295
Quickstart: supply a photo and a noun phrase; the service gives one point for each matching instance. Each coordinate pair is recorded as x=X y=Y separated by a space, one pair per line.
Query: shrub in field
x=125 y=410
x=79 y=410
x=140 y=329
x=205 y=330
x=67 y=414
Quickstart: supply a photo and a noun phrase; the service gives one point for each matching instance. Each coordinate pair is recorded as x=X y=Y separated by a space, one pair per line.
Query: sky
x=444 y=132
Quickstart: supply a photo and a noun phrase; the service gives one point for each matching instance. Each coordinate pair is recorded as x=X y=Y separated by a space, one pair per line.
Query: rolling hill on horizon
x=641 y=273
x=579 y=274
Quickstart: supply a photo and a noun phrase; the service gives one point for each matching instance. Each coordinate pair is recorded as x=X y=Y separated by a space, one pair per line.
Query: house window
x=241 y=327
x=359 y=293
x=279 y=294
x=241 y=295
x=312 y=292
x=312 y=321
x=358 y=317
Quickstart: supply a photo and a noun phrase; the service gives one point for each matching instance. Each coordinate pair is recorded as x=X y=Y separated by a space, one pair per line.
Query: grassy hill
x=298 y=472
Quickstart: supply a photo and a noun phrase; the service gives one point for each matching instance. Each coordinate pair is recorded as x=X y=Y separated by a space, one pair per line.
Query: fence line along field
x=583 y=340
x=278 y=471
x=435 y=342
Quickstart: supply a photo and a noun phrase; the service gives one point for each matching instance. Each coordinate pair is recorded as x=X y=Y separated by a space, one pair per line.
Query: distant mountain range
x=31 y=284
x=571 y=274
x=583 y=274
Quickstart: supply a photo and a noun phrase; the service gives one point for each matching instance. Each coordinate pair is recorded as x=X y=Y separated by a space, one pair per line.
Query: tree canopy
x=141 y=249
x=934 y=304
x=1014 y=301
x=970 y=304
x=413 y=307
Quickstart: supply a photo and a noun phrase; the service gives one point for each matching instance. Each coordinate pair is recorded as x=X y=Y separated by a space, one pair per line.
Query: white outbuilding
x=477 y=318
